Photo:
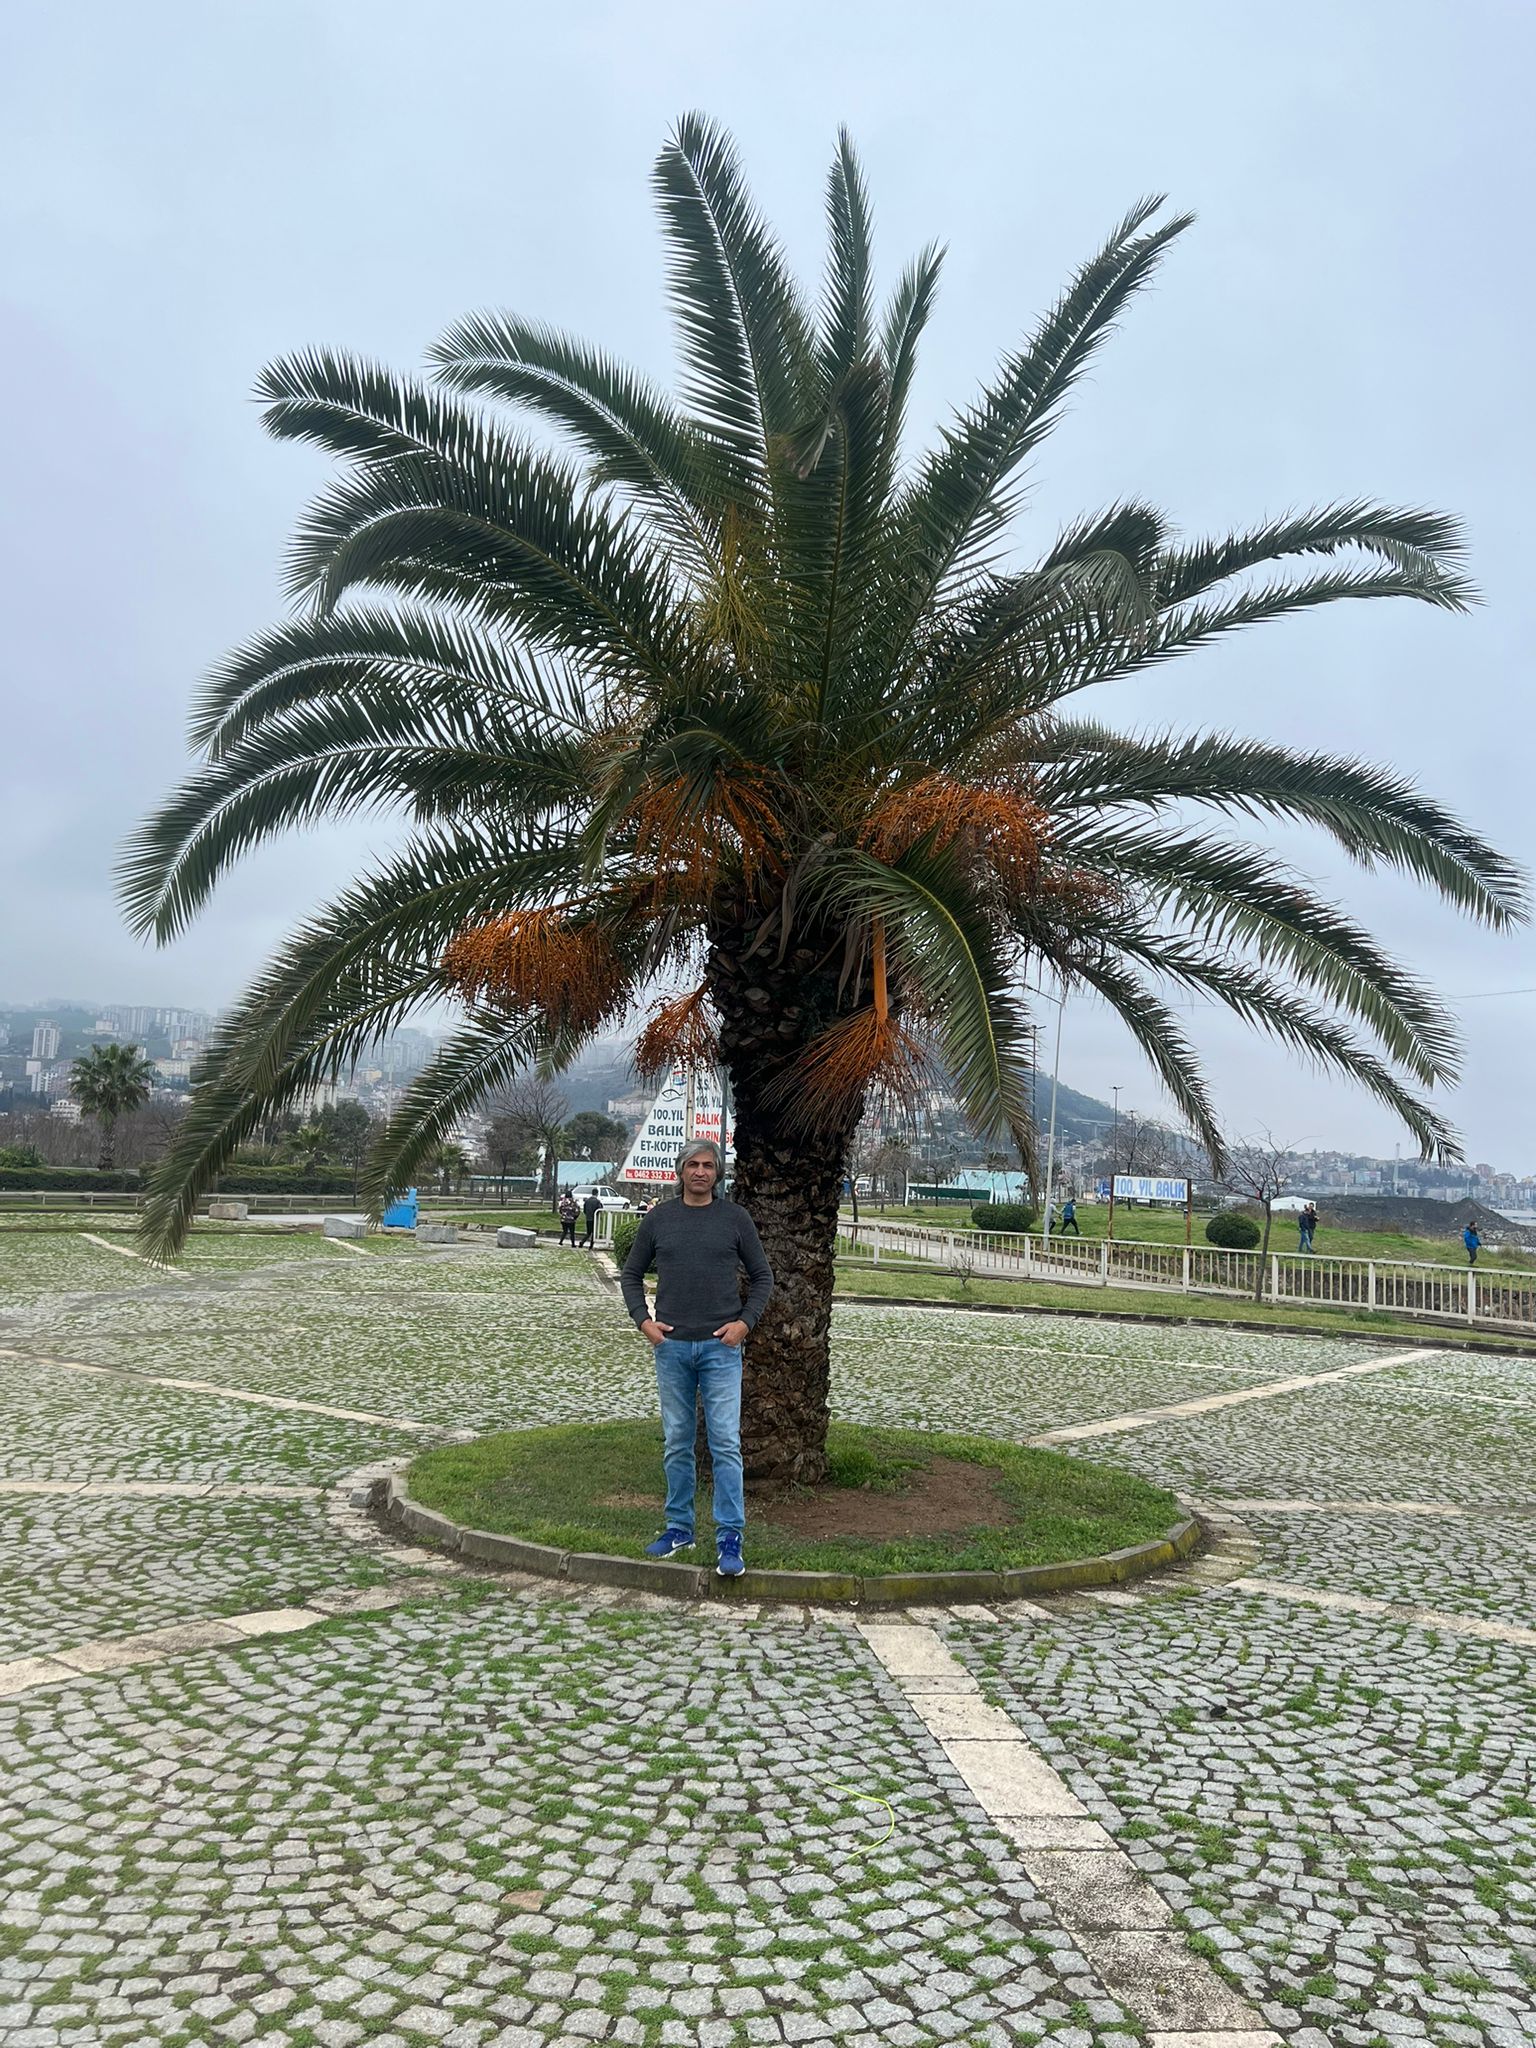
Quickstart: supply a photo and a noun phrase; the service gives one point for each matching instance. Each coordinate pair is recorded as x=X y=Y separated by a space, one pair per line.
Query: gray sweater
x=697 y=1253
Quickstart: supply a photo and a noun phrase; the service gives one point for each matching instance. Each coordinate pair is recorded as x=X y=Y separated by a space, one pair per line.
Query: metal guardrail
x=1495 y=1297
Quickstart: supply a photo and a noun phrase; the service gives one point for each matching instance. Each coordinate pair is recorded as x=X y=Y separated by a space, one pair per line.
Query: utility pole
x=1050 y=1150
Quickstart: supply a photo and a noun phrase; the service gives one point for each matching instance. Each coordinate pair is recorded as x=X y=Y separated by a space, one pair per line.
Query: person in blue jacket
x=1473 y=1243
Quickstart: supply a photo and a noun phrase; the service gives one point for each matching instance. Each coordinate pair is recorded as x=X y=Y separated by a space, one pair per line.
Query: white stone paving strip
x=1122 y=1924
x=1207 y=1404
x=106 y=1245
x=1436 y=1618
x=1333 y=1507
x=150 y=1379
x=155 y=1645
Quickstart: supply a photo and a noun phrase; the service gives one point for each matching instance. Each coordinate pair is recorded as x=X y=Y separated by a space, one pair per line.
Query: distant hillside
x=605 y=1070
x=1079 y=1118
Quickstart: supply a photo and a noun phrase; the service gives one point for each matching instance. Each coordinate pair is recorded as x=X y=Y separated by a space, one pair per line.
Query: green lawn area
x=599 y=1488
x=1166 y=1226
x=909 y=1284
x=522 y=1219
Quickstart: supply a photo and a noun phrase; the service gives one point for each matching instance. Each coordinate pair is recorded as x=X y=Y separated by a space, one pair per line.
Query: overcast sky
x=187 y=191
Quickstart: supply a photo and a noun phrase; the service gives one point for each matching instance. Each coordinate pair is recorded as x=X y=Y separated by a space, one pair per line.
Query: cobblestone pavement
x=481 y=1811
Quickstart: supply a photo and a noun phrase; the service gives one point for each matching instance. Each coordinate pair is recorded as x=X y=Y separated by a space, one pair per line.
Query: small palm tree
x=454 y=1165
x=733 y=708
x=110 y=1081
x=309 y=1146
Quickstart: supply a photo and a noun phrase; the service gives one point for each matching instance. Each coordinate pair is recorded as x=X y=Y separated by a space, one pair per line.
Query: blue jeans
x=685 y=1369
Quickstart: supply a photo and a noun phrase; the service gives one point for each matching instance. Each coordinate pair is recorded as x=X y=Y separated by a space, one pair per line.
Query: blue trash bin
x=401 y=1215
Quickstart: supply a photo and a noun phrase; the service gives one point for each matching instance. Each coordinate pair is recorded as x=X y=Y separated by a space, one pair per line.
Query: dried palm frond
x=540 y=960
x=682 y=1032
x=1005 y=828
x=842 y=1065
x=690 y=841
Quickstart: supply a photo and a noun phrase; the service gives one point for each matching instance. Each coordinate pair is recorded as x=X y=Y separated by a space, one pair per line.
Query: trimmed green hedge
x=1014 y=1216
x=1233 y=1231
x=69 y=1180
x=87 y=1180
x=624 y=1229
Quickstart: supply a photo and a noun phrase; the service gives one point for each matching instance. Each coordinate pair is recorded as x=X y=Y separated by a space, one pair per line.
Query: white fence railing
x=1495 y=1296
x=260 y=1204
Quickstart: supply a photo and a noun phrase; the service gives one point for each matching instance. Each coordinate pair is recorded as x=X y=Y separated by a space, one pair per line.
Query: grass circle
x=598 y=1487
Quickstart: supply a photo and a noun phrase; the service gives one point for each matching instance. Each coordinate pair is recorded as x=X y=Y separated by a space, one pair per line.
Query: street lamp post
x=1050 y=1148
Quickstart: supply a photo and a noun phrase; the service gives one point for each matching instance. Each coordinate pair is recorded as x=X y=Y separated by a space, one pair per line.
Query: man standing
x=1069 y=1218
x=1471 y=1237
x=1306 y=1224
x=589 y=1209
x=698 y=1246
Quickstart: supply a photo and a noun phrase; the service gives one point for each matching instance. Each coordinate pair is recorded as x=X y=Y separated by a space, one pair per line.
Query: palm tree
x=309 y=1147
x=732 y=707
x=110 y=1081
x=452 y=1163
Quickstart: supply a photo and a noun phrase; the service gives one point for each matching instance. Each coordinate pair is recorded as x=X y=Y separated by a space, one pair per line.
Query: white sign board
x=653 y=1157
x=1144 y=1187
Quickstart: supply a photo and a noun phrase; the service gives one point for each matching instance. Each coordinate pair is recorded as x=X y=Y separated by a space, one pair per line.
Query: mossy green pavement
x=916 y=1283
x=598 y=1488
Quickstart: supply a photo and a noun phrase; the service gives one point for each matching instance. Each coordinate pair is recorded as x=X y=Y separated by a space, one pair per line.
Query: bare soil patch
x=945 y=1497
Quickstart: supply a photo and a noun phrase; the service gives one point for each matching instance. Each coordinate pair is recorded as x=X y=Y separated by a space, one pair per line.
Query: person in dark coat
x=589 y=1209
x=568 y=1214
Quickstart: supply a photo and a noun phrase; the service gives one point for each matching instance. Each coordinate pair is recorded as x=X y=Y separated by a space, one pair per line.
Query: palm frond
x=634 y=436
x=361 y=410
x=487 y=1054
x=946 y=954
x=541 y=557
x=333 y=761
x=1163 y=1039
x=960 y=501
x=846 y=317
x=745 y=336
x=1268 y=1005
x=1413 y=542
x=902 y=329
x=1240 y=896
x=1375 y=815
x=350 y=652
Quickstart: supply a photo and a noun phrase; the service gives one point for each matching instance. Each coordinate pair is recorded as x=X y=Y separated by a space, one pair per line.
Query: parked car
x=607 y=1200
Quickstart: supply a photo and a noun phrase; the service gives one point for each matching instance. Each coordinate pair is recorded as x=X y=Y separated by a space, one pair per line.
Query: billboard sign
x=1145 y=1187
x=652 y=1157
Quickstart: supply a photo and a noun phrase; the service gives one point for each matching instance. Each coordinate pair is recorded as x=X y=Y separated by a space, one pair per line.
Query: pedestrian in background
x=568 y=1214
x=589 y=1209
x=1473 y=1242
x=1306 y=1224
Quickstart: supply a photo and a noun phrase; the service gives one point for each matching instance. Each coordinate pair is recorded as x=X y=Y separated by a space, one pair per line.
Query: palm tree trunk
x=789 y=1182
x=104 y=1163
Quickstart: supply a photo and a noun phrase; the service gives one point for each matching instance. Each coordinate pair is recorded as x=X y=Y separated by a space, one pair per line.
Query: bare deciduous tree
x=1259 y=1170
x=538 y=1112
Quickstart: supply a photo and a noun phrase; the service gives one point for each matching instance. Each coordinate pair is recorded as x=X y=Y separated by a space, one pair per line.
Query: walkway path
x=270 y=1775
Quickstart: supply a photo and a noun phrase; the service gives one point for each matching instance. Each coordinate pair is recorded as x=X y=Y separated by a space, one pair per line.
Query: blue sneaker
x=728 y=1545
x=669 y=1541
